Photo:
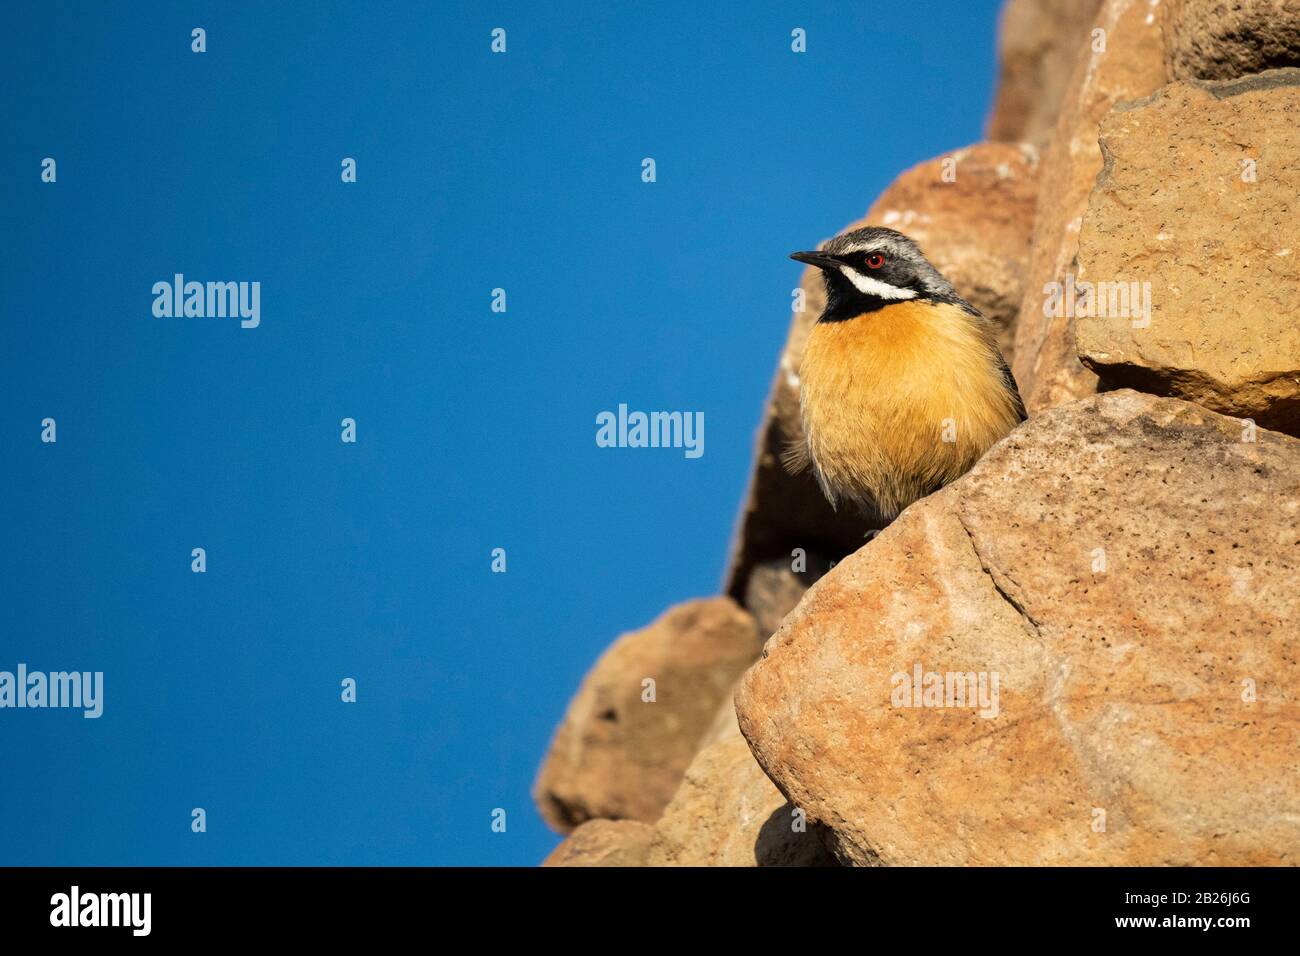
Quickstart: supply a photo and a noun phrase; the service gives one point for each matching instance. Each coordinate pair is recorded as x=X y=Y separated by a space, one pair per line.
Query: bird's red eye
x=875 y=260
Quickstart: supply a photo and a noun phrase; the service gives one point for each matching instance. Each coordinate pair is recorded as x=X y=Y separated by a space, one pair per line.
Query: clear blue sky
x=475 y=429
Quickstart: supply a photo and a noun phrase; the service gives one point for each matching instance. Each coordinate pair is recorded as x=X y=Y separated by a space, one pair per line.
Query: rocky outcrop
x=728 y=813
x=605 y=843
x=1128 y=66
x=1185 y=306
x=639 y=716
x=1226 y=39
x=1117 y=577
x=1039 y=42
x=972 y=212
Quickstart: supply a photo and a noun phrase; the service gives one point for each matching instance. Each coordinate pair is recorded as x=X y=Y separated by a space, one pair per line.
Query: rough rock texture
x=1225 y=39
x=1217 y=241
x=1039 y=42
x=604 y=843
x=619 y=757
x=976 y=230
x=727 y=813
x=774 y=588
x=1045 y=363
x=1126 y=566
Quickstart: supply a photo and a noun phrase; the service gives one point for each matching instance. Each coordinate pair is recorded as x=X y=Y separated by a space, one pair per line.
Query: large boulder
x=1130 y=66
x=1192 y=226
x=1117 y=577
x=1226 y=39
x=1039 y=42
x=972 y=212
x=619 y=755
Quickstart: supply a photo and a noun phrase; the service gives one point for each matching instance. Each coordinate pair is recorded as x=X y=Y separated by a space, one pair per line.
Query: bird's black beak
x=818 y=259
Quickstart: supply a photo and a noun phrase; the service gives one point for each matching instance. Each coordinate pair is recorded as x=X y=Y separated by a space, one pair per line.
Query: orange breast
x=900 y=401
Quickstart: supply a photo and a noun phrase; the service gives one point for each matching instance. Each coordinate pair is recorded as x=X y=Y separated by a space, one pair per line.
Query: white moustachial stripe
x=869 y=286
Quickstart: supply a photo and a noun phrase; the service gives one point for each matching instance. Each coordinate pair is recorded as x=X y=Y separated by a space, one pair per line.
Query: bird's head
x=869 y=268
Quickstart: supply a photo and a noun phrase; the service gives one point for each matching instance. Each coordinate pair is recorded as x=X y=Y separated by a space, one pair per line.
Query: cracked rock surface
x=1198 y=200
x=1125 y=567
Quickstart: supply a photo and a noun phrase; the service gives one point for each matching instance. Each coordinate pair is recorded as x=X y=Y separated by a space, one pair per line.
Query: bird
x=902 y=386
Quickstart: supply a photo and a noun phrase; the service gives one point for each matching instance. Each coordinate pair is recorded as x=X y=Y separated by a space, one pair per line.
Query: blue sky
x=475 y=429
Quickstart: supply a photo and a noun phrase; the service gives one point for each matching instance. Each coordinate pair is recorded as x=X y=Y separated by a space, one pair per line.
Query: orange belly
x=898 y=402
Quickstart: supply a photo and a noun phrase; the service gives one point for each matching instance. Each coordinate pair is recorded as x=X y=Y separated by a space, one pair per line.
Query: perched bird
x=902 y=386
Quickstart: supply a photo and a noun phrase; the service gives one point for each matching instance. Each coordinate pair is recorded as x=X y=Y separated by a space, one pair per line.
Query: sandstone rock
x=1126 y=566
x=975 y=229
x=616 y=756
x=727 y=813
x=1226 y=39
x=724 y=723
x=1199 y=200
x=604 y=843
x=774 y=589
x=1039 y=42
x=1046 y=364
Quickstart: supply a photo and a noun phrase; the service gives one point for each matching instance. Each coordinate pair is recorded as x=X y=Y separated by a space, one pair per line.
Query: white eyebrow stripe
x=875 y=287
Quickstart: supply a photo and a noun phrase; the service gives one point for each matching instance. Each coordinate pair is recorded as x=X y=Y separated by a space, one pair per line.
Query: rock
x=975 y=230
x=1039 y=42
x=724 y=722
x=1198 y=201
x=1226 y=39
x=616 y=756
x=1046 y=363
x=604 y=843
x=727 y=813
x=1126 y=567
x=774 y=588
